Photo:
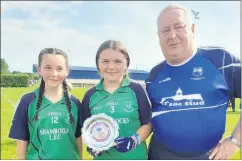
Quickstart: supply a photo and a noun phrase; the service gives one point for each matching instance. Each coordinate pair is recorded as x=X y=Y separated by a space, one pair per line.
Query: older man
x=189 y=92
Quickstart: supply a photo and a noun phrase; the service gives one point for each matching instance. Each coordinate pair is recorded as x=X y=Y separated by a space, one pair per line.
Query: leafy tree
x=4 y=66
x=16 y=72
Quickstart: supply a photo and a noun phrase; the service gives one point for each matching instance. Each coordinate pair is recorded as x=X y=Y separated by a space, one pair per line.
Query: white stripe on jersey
x=154 y=114
x=230 y=65
x=144 y=91
x=211 y=47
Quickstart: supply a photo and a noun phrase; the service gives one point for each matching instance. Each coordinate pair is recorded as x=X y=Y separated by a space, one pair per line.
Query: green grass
x=8 y=146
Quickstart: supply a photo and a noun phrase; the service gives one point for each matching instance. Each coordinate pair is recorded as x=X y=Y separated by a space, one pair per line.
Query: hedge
x=14 y=80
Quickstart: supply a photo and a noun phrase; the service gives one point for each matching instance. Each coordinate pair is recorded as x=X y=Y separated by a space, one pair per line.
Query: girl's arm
x=19 y=129
x=21 y=149
x=144 y=113
x=79 y=144
x=144 y=131
x=123 y=143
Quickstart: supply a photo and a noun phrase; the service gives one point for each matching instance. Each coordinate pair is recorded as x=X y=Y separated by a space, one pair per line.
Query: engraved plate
x=99 y=132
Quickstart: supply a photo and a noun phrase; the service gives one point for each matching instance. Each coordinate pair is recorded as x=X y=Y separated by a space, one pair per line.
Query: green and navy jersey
x=189 y=101
x=129 y=105
x=51 y=136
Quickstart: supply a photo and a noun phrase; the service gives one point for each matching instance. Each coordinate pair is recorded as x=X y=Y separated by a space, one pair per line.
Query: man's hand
x=223 y=150
x=125 y=144
x=93 y=152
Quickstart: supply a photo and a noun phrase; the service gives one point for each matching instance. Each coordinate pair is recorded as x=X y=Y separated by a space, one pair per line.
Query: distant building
x=89 y=76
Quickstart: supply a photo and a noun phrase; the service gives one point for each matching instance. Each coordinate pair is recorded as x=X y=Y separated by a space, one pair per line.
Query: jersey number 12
x=54 y=120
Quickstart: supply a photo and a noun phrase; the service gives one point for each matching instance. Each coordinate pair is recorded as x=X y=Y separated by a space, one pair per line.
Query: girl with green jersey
x=119 y=97
x=46 y=123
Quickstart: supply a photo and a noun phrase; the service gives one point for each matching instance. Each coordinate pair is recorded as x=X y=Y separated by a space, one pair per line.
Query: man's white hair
x=177 y=6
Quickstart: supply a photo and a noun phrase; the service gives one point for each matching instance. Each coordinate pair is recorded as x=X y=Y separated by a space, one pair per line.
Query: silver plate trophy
x=99 y=132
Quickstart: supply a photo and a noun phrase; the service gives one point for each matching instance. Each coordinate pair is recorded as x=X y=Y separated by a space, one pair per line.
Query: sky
x=79 y=27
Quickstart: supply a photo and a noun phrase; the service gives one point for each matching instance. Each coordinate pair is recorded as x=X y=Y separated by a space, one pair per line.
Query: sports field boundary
x=9 y=101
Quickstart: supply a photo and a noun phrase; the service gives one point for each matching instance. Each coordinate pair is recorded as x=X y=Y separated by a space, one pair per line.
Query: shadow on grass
x=8 y=143
x=236 y=112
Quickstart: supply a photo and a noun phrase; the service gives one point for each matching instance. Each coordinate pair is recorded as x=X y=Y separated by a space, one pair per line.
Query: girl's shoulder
x=28 y=97
x=90 y=92
x=75 y=99
x=25 y=102
x=137 y=86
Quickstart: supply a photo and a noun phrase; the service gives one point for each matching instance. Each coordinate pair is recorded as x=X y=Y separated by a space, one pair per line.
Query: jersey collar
x=36 y=91
x=125 y=83
x=182 y=63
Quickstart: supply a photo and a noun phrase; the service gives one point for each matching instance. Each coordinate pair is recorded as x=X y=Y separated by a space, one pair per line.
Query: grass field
x=11 y=96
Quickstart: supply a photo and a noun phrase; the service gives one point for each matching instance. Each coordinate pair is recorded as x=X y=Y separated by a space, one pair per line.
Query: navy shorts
x=158 y=151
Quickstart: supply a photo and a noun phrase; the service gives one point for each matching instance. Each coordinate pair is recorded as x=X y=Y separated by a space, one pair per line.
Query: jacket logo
x=165 y=80
x=176 y=100
x=197 y=73
x=128 y=106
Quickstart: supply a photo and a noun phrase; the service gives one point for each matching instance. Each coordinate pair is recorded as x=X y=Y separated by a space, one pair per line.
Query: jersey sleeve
x=229 y=66
x=152 y=75
x=144 y=105
x=86 y=113
x=79 y=119
x=232 y=72
x=19 y=129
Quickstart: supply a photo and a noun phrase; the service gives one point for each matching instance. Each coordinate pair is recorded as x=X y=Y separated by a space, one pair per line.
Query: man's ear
x=193 y=29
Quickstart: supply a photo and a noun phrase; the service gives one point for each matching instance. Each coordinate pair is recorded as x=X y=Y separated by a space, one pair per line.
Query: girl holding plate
x=119 y=97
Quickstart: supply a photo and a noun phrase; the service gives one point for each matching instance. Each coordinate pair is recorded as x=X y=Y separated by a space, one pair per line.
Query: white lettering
x=112 y=103
x=54 y=114
x=55 y=137
x=122 y=120
x=175 y=104
x=180 y=104
x=54 y=131
x=194 y=103
x=97 y=107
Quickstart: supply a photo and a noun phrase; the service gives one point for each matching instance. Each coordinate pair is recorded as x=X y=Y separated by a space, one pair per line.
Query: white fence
x=87 y=83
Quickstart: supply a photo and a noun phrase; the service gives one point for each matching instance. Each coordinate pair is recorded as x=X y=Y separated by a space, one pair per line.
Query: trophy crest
x=99 y=132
